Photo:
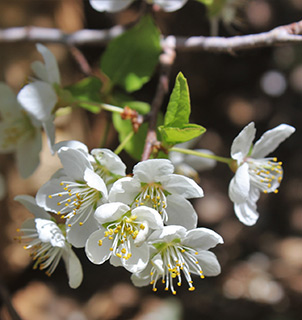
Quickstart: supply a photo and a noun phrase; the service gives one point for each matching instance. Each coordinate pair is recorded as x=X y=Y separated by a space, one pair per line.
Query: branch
x=281 y=35
x=4 y=296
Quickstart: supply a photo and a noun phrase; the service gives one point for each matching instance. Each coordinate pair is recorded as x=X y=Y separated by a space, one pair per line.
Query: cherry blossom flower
x=19 y=132
x=39 y=97
x=121 y=237
x=154 y=185
x=176 y=253
x=255 y=173
x=46 y=239
x=118 y=5
x=74 y=193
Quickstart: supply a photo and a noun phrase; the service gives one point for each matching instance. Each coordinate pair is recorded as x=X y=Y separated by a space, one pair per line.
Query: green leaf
x=85 y=91
x=130 y=59
x=179 y=109
x=173 y=135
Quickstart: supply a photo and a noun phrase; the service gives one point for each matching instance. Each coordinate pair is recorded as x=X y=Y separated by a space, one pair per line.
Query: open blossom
x=154 y=185
x=47 y=243
x=39 y=97
x=20 y=132
x=121 y=237
x=255 y=173
x=176 y=253
x=74 y=193
x=118 y=5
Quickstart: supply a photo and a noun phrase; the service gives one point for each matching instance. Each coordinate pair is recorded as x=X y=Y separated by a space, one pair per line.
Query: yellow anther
x=163 y=281
x=110 y=238
x=111 y=249
x=70 y=194
x=166 y=289
x=275 y=159
x=62 y=184
x=142 y=227
x=100 y=242
x=136 y=201
x=151 y=282
x=119 y=255
x=110 y=231
x=276 y=191
x=66 y=204
x=179 y=284
x=174 y=292
x=202 y=276
x=50 y=197
x=80 y=223
x=269 y=185
x=59 y=203
x=191 y=288
x=280 y=163
x=147 y=196
x=173 y=275
x=65 y=188
x=141 y=203
x=151 y=273
x=60 y=194
x=183 y=250
x=68 y=200
x=106 y=233
x=154 y=289
x=196 y=262
x=124 y=250
x=158 y=197
x=265 y=191
x=69 y=225
x=196 y=253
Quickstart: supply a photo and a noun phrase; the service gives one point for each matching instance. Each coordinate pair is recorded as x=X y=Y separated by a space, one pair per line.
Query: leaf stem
x=202 y=155
x=104 y=106
x=124 y=142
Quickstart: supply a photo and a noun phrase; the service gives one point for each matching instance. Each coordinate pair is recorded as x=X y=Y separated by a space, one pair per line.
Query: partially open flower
x=47 y=242
x=253 y=172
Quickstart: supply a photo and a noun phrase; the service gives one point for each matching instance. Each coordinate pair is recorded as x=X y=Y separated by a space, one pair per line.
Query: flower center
x=176 y=259
x=120 y=234
x=266 y=174
x=76 y=198
x=153 y=195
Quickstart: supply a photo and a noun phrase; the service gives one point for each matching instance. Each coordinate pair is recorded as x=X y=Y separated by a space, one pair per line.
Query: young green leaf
x=179 y=108
x=130 y=59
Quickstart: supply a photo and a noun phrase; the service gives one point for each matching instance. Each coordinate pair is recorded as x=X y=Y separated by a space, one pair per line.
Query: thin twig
x=81 y=60
x=4 y=296
x=166 y=61
x=281 y=35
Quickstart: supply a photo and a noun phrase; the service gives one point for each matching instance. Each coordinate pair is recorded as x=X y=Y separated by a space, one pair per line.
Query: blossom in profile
x=254 y=172
x=155 y=185
x=47 y=243
x=177 y=254
x=20 y=132
x=74 y=193
x=118 y=5
x=39 y=97
x=122 y=234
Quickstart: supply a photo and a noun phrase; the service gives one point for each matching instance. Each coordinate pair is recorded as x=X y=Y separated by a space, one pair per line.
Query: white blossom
x=20 y=132
x=46 y=240
x=121 y=237
x=255 y=173
x=153 y=184
x=176 y=253
x=39 y=97
x=74 y=193
x=118 y=5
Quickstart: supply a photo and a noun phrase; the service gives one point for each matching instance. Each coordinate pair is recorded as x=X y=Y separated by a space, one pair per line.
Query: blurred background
x=261 y=265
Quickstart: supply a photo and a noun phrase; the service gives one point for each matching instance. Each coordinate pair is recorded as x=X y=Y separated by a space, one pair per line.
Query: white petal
x=95 y=253
x=124 y=190
x=51 y=64
x=167 y=234
x=110 y=212
x=239 y=186
x=9 y=106
x=243 y=142
x=39 y=70
x=27 y=153
x=271 y=139
x=208 y=263
x=170 y=5
x=78 y=234
x=49 y=232
x=73 y=268
x=202 y=239
x=181 y=212
x=142 y=278
x=142 y=234
x=50 y=130
x=73 y=144
x=109 y=5
x=247 y=212
x=110 y=160
x=139 y=259
x=38 y=99
x=151 y=216
x=180 y=185
x=30 y=204
x=152 y=170
x=74 y=162
x=96 y=182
